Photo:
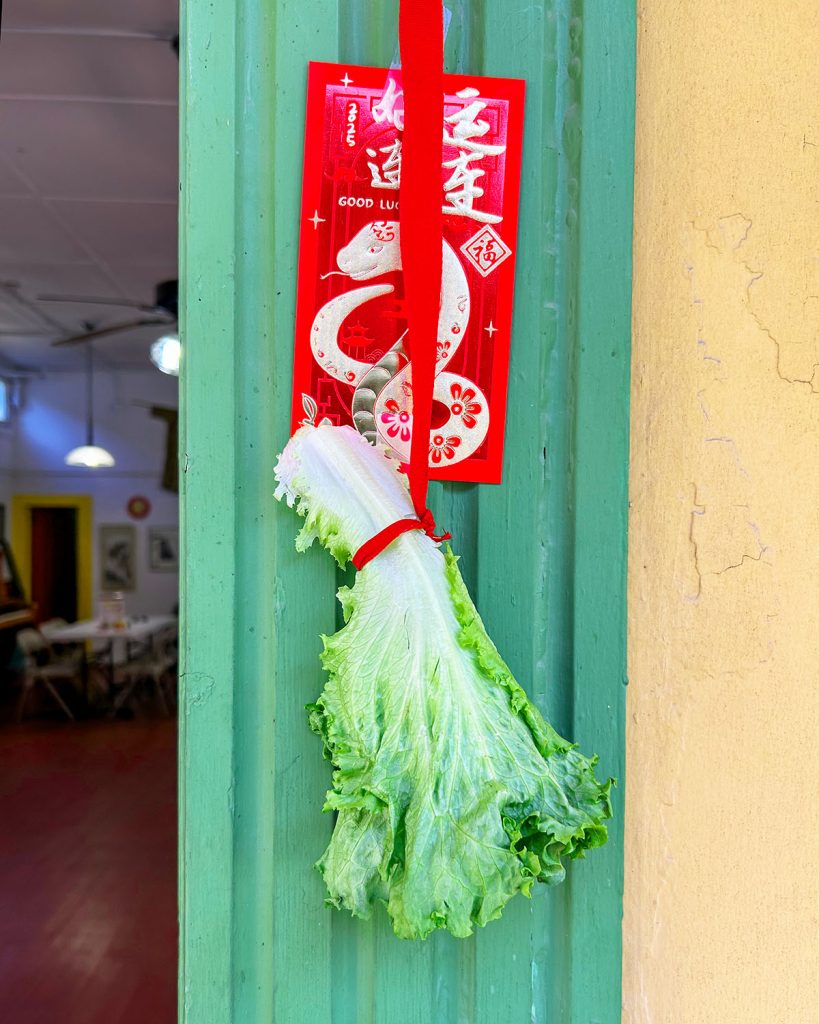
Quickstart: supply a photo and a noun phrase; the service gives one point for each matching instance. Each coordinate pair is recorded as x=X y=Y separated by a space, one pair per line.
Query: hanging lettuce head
x=452 y=793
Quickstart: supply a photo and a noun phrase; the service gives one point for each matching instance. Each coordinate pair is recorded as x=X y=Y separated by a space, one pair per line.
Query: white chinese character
x=390 y=168
x=386 y=110
x=461 y=188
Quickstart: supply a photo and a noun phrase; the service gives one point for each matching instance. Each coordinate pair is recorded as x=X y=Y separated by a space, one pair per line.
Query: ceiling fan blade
x=25 y=333
x=102 y=332
x=97 y=300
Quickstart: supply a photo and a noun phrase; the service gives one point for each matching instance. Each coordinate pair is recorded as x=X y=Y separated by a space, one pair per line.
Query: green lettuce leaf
x=453 y=793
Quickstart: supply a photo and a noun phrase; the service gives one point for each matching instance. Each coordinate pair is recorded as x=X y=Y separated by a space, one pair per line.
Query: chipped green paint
x=544 y=554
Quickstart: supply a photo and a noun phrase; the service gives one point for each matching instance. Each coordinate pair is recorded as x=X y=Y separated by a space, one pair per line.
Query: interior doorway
x=51 y=539
x=54 y=563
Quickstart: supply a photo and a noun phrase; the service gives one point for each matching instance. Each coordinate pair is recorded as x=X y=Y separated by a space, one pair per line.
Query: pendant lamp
x=165 y=354
x=90 y=455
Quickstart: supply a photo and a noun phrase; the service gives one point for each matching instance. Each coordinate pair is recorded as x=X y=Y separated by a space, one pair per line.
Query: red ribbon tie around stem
x=375 y=545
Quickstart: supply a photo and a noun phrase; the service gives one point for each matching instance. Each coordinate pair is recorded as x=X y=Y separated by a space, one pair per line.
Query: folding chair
x=43 y=668
x=156 y=666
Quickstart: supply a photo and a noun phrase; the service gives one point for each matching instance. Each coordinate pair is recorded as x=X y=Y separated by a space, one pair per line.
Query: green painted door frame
x=544 y=553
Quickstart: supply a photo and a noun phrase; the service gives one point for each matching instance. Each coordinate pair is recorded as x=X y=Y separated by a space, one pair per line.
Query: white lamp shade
x=165 y=354
x=91 y=456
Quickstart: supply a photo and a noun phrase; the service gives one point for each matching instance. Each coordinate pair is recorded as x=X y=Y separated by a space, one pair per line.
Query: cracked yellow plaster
x=721 y=915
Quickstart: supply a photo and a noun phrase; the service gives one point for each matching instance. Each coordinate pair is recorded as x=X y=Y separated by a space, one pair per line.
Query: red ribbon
x=375 y=545
x=420 y=27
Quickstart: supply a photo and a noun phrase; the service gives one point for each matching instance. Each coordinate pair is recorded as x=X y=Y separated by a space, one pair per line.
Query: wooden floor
x=88 y=873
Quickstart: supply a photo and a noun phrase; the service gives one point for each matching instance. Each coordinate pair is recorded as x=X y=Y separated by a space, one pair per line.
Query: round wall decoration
x=138 y=507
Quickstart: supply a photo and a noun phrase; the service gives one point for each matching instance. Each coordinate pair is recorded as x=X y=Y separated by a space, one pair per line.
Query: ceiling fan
x=162 y=312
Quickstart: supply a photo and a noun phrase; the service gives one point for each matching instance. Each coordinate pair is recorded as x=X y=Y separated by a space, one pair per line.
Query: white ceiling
x=88 y=172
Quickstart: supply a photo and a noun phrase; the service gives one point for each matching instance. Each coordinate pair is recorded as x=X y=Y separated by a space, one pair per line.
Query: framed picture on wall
x=117 y=552
x=163 y=548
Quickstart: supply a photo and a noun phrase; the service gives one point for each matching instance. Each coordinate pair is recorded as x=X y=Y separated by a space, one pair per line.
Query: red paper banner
x=352 y=356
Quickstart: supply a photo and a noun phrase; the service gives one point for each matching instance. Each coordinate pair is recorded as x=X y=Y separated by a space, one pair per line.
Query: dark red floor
x=88 y=873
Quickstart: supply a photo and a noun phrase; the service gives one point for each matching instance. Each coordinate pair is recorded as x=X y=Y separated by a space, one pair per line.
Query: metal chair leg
x=23 y=700
x=159 y=683
x=53 y=691
x=120 y=699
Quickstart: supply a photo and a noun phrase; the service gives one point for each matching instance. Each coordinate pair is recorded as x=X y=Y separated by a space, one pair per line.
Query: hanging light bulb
x=165 y=354
x=90 y=455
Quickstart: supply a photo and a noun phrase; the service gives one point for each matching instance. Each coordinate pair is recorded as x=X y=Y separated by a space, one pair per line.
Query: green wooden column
x=544 y=554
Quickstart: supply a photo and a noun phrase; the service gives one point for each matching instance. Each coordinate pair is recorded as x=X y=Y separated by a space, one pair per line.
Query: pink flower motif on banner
x=443 y=447
x=397 y=421
x=463 y=405
x=443 y=351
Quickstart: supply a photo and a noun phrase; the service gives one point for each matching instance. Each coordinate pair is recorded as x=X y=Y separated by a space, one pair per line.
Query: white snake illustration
x=382 y=400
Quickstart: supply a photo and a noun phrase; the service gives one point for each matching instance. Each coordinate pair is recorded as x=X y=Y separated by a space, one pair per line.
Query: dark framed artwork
x=117 y=555
x=163 y=548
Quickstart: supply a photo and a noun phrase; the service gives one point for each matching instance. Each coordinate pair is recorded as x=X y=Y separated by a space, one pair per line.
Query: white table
x=136 y=631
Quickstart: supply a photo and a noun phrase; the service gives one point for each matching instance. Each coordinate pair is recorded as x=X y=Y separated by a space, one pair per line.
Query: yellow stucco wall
x=722 y=852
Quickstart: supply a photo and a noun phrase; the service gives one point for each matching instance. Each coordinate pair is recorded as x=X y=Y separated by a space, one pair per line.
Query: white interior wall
x=52 y=420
